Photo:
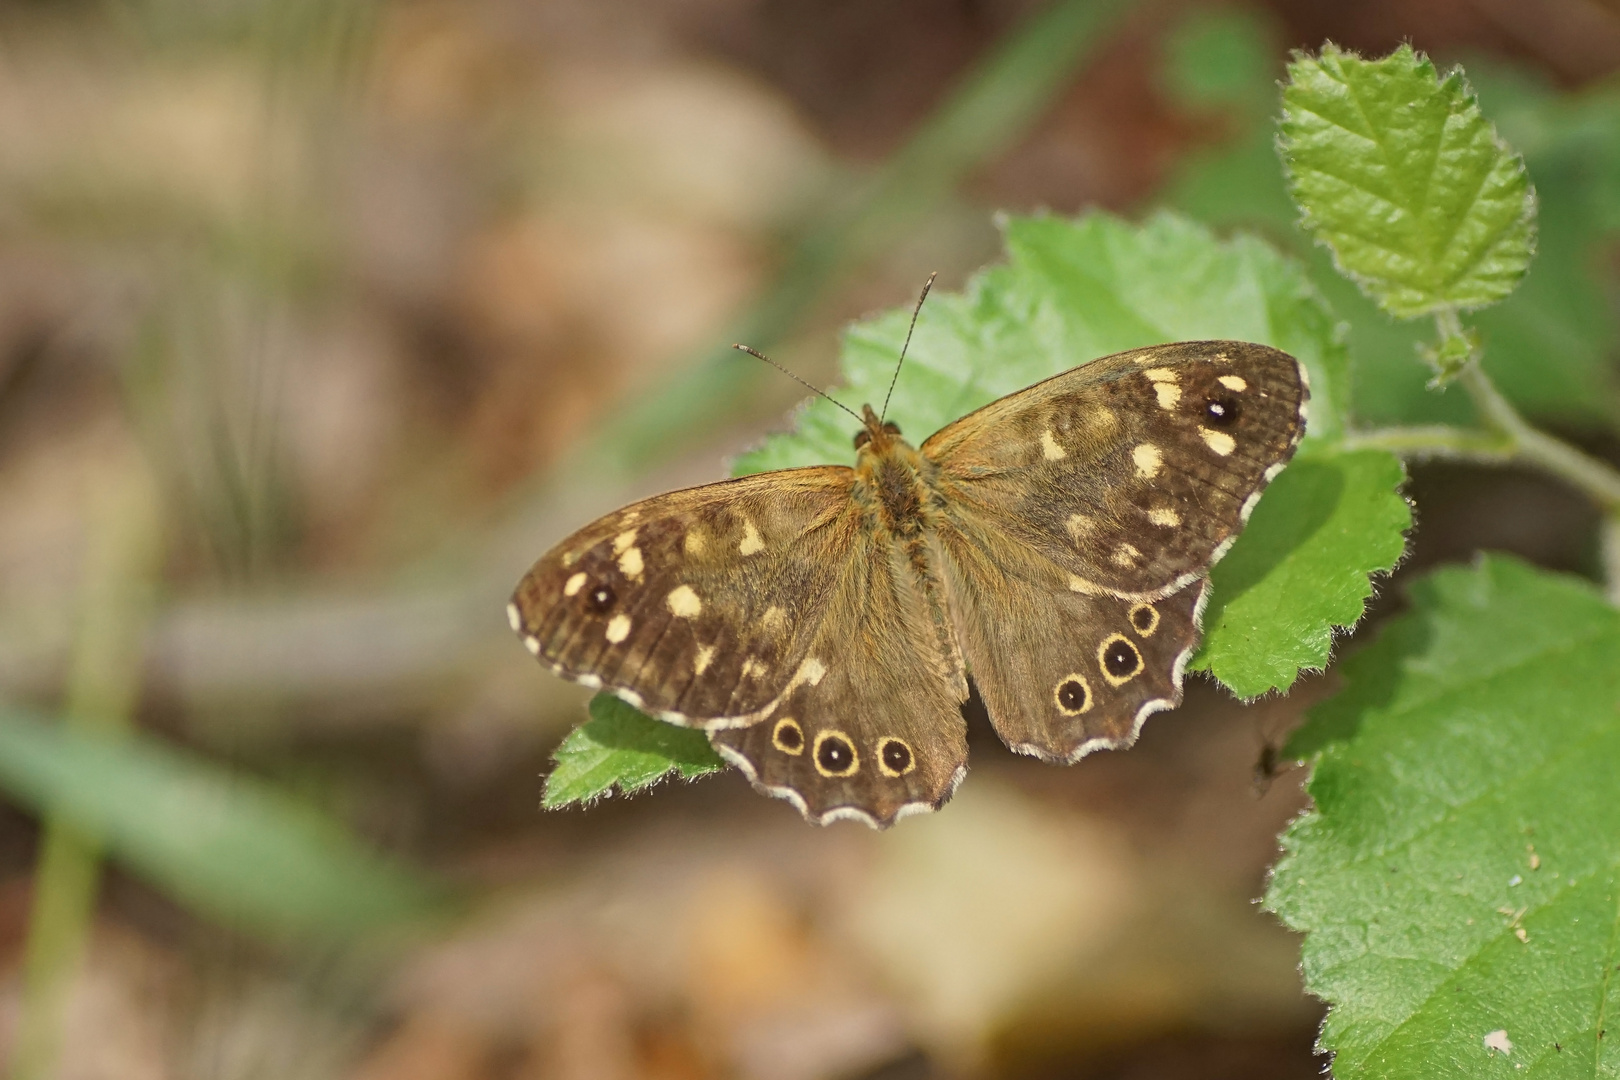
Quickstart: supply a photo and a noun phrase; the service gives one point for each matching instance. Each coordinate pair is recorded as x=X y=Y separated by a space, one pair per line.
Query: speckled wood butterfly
x=821 y=624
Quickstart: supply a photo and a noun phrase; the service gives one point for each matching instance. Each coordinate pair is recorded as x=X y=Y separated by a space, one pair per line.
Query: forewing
x=1130 y=474
x=699 y=605
x=871 y=727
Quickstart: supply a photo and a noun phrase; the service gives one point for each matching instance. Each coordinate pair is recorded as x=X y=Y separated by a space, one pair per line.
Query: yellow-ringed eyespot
x=1072 y=694
x=895 y=757
x=787 y=736
x=835 y=755
x=1119 y=659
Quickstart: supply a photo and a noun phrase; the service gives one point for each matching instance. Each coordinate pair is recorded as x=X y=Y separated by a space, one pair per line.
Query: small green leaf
x=1459 y=875
x=1401 y=175
x=1450 y=355
x=1301 y=570
x=233 y=847
x=619 y=745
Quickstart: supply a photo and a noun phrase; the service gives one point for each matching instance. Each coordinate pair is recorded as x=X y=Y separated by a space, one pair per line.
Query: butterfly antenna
x=813 y=389
x=929 y=284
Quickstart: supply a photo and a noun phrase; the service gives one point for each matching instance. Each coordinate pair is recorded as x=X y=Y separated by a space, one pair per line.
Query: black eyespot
x=1221 y=411
x=835 y=755
x=788 y=736
x=1071 y=694
x=1144 y=619
x=892 y=428
x=600 y=599
x=1120 y=658
x=896 y=756
x=862 y=437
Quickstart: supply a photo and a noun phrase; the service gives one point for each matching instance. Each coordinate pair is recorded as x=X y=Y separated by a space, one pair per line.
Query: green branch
x=1507 y=438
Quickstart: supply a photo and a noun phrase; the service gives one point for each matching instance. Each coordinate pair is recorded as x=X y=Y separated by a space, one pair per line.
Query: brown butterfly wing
x=1129 y=474
x=1064 y=673
x=874 y=731
x=1079 y=520
x=698 y=606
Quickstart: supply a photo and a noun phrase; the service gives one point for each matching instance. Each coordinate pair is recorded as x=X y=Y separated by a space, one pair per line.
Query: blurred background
x=321 y=319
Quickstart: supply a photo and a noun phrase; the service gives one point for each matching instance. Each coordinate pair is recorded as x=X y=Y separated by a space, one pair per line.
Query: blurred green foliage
x=236 y=848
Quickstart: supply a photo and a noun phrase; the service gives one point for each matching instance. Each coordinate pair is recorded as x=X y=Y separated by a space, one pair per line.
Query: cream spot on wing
x=1079 y=525
x=683 y=602
x=1169 y=394
x=693 y=543
x=623 y=540
x=569 y=558
x=774 y=619
x=1219 y=441
x=1165 y=517
x=1148 y=460
x=572 y=586
x=1148 y=358
x=753 y=669
x=1050 y=448
x=750 y=541
x=532 y=644
x=1232 y=382
x=514 y=617
x=1160 y=374
x=810 y=672
x=618 y=628
x=630 y=517
x=1081 y=585
x=701 y=662
x=1126 y=555
x=630 y=563
x=1101 y=420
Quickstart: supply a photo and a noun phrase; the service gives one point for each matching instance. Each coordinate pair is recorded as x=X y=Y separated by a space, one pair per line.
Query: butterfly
x=822 y=624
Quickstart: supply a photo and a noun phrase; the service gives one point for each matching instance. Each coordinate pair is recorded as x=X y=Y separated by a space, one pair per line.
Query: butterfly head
x=877 y=435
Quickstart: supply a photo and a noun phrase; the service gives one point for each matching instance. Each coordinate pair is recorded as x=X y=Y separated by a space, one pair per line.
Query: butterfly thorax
x=892 y=480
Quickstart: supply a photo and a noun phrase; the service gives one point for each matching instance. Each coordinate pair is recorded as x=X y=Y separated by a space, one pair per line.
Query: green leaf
x=1301 y=569
x=1404 y=179
x=1465 y=791
x=619 y=745
x=233 y=847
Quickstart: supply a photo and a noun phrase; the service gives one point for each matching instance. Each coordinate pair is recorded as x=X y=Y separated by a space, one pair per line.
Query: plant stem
x=1505 y=438
x=1609 y=540
x=1434 y=442
x=103 y=685
x=1599 y=481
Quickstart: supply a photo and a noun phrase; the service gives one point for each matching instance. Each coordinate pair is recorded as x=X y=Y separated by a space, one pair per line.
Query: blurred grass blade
x=995 y=106
x=232 y=847
x=121 y=569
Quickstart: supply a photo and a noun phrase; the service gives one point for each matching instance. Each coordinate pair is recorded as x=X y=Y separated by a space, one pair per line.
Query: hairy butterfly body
x=821 y=624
